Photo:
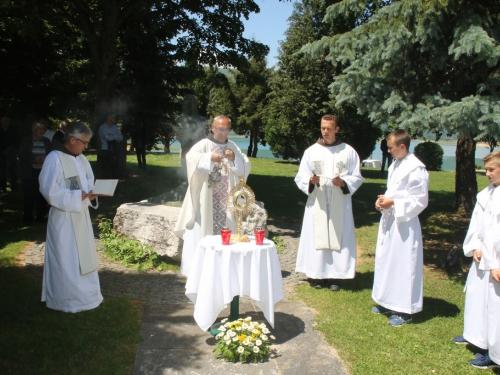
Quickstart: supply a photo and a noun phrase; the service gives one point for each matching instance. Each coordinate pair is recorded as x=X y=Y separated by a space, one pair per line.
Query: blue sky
x=269 y=26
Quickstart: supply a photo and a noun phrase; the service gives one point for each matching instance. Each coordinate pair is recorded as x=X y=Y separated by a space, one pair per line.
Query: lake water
x=449 y=148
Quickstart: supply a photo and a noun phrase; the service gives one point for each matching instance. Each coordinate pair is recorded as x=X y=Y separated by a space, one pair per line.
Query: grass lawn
x=103 y=341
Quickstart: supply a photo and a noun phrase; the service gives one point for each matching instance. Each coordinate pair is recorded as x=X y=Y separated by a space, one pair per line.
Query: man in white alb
x=329 y=174
x=70 y=280
x=214 y=166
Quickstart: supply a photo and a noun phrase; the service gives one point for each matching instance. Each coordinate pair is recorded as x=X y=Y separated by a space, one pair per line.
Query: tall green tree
x=251 y=89
x=424 y=65
x=300 y=93
x=43 y=68
x=206 y=31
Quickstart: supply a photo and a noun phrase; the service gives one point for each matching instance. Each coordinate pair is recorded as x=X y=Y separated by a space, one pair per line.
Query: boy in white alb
x=399 y=267
x=482 y=301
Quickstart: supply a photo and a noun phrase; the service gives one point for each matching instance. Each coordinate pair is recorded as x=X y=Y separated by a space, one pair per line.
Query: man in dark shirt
x=32 y=152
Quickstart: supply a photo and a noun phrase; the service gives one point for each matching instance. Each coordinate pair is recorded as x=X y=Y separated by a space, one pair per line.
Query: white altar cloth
x=220 y=272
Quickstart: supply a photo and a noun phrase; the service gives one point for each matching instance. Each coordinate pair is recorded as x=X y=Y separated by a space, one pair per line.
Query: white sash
x=328 y=200
x=87 y=253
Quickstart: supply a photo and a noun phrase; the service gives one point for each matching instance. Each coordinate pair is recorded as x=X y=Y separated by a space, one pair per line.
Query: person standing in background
x=110 y=137
x=8 y=156
x=32 y=152
x=386 y=156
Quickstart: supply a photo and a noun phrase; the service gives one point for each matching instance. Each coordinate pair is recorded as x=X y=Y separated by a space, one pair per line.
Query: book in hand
x=104 y=188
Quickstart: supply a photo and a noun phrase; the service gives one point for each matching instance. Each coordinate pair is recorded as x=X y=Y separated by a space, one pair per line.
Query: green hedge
x=431 y=154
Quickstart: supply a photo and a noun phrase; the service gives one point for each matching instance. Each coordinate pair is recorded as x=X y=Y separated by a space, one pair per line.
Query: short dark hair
x=330 y=117
x=400 y=137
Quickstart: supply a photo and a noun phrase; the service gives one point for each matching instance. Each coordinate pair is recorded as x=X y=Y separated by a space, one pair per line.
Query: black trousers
x=32 y=197
x=109 y=164
x=385 y=157
x=8 y=168
x=141 y=156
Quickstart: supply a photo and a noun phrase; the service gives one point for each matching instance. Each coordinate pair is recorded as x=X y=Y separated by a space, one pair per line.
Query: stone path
x=174 y=344
x=165 y=287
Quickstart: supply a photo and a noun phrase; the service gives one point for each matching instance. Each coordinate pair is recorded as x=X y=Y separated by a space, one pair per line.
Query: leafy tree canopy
x=300 y=93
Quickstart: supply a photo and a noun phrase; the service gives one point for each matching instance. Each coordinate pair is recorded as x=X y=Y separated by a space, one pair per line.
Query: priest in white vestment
x=482 y=301
x=70 y=279
x=329 y=174
x=214 y=166
x=398 y=280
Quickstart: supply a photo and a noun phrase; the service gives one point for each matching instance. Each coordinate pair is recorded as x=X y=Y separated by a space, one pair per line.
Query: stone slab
x=174 y=344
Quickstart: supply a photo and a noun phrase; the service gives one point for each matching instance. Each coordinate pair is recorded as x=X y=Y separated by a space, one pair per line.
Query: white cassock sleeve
x=413 y=199
x=53 y=186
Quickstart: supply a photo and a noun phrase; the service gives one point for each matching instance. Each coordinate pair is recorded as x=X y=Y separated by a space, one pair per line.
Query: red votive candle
x=259 y=235
x=225 y=234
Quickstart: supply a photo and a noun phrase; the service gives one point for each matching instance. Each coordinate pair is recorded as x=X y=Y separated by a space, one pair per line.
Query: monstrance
x=241 y=203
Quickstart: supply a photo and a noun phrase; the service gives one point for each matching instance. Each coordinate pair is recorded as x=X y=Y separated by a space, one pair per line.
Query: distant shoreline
x=452 y=142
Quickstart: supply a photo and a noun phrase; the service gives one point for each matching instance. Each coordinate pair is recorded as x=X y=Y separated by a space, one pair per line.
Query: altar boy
x=399 y=268
x=482 y=302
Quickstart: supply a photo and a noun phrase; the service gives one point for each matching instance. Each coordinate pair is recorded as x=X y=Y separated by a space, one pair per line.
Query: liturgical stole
x=87 y=253
x=328 y=220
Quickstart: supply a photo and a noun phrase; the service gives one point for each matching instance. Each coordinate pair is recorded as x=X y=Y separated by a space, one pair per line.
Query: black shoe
x=484 y=363
x=318 y=283
x=334 y=288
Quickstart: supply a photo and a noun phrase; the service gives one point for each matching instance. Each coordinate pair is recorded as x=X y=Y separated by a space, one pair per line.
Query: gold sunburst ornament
x=241 y=203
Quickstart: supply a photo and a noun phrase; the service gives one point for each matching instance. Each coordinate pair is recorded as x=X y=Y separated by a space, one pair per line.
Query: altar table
x=220 y=272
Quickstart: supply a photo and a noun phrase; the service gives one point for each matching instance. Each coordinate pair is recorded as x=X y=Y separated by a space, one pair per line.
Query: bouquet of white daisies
x=243 y=341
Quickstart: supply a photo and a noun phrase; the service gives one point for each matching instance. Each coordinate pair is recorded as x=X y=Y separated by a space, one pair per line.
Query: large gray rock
x=154 y=224
x=151 y=224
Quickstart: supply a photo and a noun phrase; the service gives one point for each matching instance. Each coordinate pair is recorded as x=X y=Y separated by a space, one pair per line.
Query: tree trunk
x=465 y=177
x=255 y=134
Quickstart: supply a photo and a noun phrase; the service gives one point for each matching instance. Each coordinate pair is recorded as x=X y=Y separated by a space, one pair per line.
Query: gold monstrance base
x=238 y=237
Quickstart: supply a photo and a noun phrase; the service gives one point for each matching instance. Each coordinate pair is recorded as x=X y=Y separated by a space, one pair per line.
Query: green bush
x=431 y=154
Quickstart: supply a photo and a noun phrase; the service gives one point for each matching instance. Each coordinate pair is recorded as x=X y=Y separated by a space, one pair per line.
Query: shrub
x=431 y=154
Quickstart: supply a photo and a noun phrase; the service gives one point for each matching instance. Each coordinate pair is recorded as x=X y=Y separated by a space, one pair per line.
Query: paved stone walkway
x=165 y=287
x=172 y=343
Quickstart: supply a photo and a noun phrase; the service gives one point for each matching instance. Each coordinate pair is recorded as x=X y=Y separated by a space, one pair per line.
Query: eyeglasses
x=223 y=130
x=84 y=142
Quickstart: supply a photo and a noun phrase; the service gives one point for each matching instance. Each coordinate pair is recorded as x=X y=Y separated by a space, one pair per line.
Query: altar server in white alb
x=214 y=166
x=482 y=299
x=329 y=174
x=399 y=267
x=70 y=280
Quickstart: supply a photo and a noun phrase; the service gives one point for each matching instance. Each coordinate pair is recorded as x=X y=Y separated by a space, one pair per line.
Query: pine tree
x=425 y=66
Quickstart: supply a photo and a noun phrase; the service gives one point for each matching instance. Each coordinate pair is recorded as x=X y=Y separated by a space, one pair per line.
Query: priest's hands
x=496 y=275
x=383 y=203
x=89 y=196
x=337 y=181
x=478 y=255
x=229 y=154
x=314 y=179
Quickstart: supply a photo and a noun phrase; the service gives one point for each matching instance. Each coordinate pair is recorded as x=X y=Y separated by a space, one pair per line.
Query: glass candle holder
x=225 y=234
x=259 y=235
